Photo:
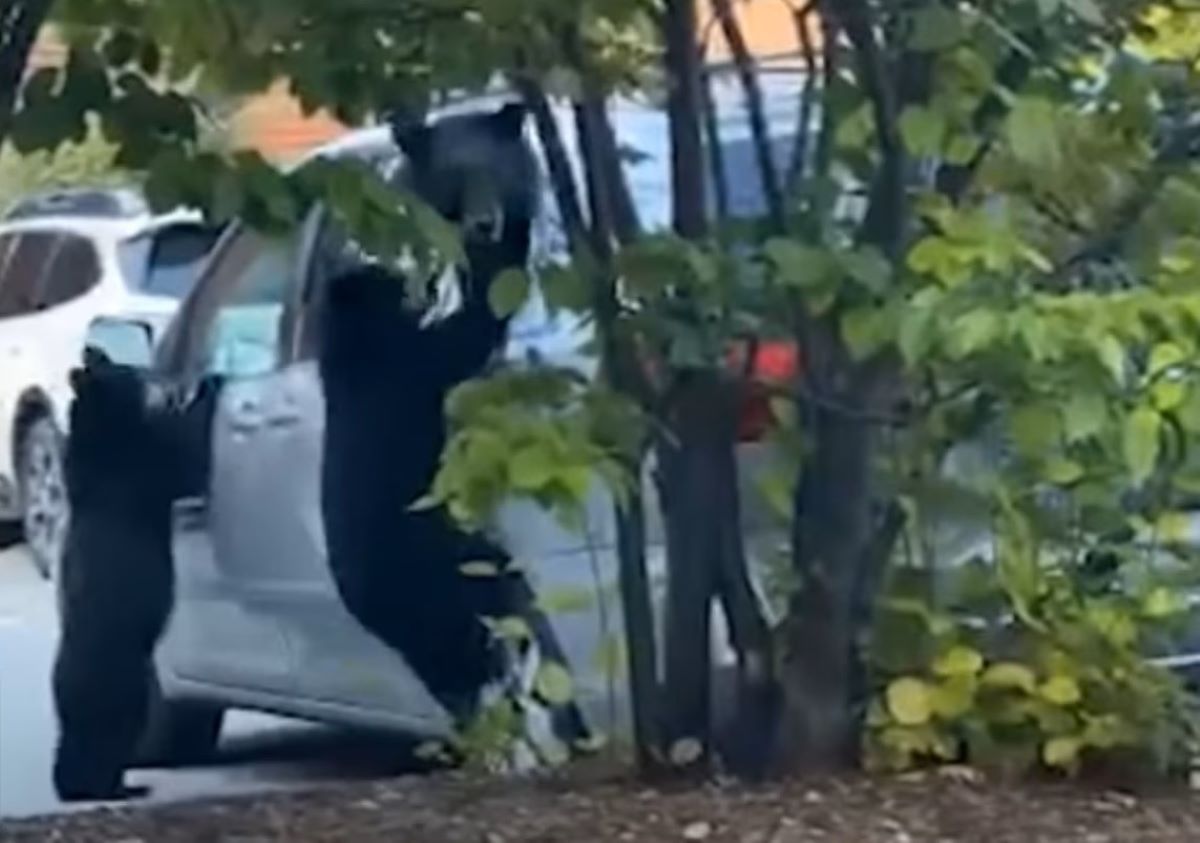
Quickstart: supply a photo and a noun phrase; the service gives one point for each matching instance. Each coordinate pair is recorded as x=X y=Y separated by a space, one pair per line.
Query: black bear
x=133 y=448
x=116 y=587
x=386 y=377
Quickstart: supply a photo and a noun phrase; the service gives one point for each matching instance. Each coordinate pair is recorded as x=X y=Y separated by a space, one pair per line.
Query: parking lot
x=257 y=753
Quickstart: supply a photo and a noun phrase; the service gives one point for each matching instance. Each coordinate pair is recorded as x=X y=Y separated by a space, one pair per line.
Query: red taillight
x=774 y=364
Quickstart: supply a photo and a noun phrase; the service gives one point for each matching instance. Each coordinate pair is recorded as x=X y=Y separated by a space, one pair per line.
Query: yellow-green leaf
x=1173 y=528
x=909 y=702
x=1161 y=603
x=1010 y=675
x=1063 y=472
x=1062 y=753
x=954 y=697
x=959 y=661
x=1142 y=443
x=508 y=292
x=554 y=684
x=1084 y=415
x=1061 y=690
x=923 y=130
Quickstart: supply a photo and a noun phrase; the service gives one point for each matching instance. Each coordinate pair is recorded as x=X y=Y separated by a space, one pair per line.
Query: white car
x=65 y=260
x=258 y=622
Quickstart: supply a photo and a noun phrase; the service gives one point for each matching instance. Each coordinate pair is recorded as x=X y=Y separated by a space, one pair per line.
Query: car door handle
x=246 y=417
x=283 y=420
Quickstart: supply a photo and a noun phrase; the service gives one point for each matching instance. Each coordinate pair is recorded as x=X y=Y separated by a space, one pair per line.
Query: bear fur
x=132 y=450
x=386 y=378
x=116 y=586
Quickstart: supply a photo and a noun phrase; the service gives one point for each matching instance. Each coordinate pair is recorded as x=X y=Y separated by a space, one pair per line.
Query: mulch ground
x=935 y=807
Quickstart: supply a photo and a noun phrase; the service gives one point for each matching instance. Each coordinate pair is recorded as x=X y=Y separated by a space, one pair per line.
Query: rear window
x=167 y=262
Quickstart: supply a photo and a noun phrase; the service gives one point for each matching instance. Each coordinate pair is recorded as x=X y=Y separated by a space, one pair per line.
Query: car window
x=23 y=273
x=237 y=322
x=167 y=262
x=74 y=269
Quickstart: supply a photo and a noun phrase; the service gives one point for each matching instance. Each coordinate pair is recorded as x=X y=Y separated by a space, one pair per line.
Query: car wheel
x=179 y=733
x=42 y=484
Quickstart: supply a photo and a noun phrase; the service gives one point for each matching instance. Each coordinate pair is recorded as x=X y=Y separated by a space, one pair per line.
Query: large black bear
x=128 y=458
x=116 y=585
x=386 y=377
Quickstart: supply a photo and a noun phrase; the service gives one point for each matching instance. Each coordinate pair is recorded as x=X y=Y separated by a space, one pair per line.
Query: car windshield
x=168 y=261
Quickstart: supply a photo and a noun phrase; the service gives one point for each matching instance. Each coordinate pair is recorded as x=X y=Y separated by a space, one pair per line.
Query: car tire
x=10 y=534
x=179 y=733
x=41 y=483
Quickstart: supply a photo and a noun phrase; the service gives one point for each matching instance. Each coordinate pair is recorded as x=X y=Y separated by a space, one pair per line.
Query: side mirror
x=125 y=342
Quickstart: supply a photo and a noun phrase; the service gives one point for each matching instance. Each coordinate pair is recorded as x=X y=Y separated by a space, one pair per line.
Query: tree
x=986 y=222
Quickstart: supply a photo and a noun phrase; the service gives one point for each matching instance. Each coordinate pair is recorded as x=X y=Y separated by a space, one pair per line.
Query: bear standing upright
x=116 y=584
x=386 y=376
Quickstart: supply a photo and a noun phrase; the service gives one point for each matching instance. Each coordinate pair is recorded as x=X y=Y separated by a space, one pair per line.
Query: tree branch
x=800 y=151
x=886 y=216
x=756 y=111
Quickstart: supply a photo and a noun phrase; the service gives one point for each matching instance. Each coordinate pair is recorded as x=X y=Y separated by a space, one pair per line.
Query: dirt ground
x=934 y=807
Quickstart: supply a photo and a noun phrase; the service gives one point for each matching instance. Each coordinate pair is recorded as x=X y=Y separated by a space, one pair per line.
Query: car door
x=226 y=628
x=344 y=667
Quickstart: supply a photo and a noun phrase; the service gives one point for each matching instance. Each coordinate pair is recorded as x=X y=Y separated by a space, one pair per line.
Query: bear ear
x=411 y=135
x=509 y=121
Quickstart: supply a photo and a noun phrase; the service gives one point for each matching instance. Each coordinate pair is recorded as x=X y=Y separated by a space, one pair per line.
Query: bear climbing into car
x=126 y=461
x=387 y=372
x=116 y=586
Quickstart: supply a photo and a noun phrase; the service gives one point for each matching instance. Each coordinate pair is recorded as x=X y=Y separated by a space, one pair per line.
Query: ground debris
x=456 y=809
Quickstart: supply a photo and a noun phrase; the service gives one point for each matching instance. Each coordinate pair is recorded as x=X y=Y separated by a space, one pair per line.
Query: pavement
x=258 y=752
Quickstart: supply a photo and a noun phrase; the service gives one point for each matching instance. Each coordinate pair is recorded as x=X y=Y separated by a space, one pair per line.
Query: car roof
x=101 y=228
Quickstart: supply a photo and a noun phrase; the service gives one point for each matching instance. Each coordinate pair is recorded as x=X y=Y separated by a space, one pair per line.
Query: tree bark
x=20 y=23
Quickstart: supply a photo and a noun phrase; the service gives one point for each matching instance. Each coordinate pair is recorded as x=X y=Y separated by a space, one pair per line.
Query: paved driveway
x=258 y=752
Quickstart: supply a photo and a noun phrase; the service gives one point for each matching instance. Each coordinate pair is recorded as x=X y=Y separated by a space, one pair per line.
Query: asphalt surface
x=257 y=752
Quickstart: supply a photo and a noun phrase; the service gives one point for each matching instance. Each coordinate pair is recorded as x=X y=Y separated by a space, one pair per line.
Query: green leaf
x=512 y=628
x=869 y=267
x=1063 y=472
x=1112 y=356
x=959 y=661
x=865 y=331
x=909 y=702
x=1142 y=443
x=1031 y=132
x=923 y=130
x=1084 y=416
x=975 y=331
x=1161 y=603
x=936 y=27
x=954 y=697
x=508 y=292
x=1087 y=11
x=1061 y=690
x=797 y=264
x=532 y=468
x=567 y=600
x=554 y=684
x=1035 y=429
x=1062 y=753
x=1010 y=675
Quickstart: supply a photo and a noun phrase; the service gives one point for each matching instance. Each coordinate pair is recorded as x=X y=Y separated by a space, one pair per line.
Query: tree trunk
x=20 y=23
x=832 y=531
